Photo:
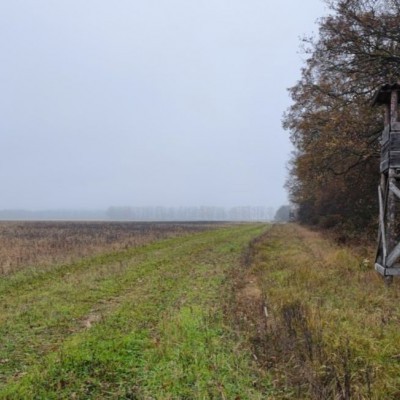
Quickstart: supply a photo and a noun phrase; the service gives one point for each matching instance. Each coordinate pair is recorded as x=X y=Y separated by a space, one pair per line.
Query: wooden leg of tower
x=392 y=234
x=382 y=245
x=381 y=251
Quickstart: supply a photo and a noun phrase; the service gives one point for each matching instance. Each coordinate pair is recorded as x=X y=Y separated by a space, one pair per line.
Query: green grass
x=145 y=323
x=183 y=318
x=333 y=329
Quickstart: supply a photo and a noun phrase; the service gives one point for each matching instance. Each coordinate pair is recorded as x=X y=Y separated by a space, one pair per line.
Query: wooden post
x=387 y=115
x=392 y=234
x=391 y=213
x=382 y=211
x=394 y=107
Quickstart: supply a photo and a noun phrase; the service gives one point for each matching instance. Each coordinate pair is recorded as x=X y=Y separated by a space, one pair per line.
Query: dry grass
x=43 y=244
x=332 y=330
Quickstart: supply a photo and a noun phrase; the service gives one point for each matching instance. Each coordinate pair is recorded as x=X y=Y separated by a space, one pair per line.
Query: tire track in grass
x=150 y=291
x=39 y=318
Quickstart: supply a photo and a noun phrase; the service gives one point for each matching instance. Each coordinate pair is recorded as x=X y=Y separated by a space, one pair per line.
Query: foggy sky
x=145 y=102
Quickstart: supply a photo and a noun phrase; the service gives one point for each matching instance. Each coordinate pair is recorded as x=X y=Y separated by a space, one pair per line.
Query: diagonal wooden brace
x=394 y=189
x=393 y=256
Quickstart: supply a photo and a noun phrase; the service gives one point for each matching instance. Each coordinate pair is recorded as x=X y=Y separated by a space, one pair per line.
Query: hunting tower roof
x=382 y=96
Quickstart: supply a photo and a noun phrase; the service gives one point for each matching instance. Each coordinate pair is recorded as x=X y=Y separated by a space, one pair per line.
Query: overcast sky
x=147 y=102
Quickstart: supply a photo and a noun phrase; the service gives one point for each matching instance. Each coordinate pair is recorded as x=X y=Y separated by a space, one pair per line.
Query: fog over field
x=147 y=103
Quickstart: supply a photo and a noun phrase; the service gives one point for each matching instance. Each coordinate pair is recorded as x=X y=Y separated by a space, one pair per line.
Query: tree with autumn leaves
x=334 y=171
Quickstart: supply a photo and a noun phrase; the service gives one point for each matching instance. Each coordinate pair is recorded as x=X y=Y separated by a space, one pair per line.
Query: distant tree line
x=191 y=213
x=334 y=171
x=146 y=214
x=51 y=215
x=283 y=214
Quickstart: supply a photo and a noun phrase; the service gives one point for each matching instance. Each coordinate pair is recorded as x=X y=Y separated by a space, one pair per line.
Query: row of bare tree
x=191 y=213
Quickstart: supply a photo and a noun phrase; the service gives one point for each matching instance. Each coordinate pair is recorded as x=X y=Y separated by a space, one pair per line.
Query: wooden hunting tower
x=388 y=252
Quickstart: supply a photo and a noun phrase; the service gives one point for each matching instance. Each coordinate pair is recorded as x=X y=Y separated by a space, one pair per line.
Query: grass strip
x=155 y=327
x=333 y=326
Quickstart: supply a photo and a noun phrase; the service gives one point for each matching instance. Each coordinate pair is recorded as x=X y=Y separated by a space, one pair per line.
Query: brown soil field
x=42 y=244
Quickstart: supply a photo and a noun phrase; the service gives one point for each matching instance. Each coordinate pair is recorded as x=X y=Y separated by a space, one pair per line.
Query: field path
x=145 y=323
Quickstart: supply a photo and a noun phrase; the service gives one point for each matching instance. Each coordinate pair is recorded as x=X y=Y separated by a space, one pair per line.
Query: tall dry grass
x=42 y=244
x=333 y=327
